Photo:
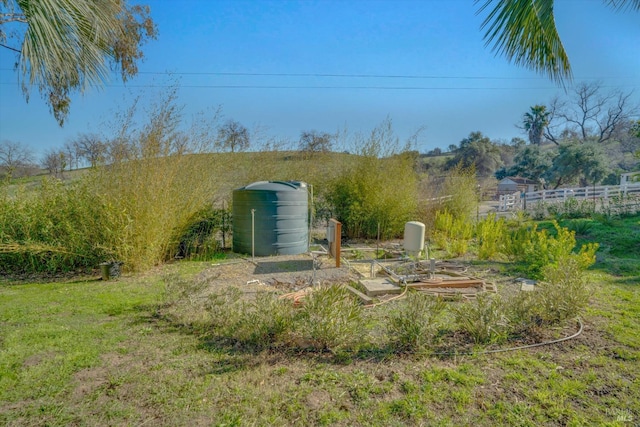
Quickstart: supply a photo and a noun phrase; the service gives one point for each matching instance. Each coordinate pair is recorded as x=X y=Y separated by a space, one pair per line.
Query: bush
x=378 y=188
x=490 y=233
x=267 y=322
x=451 y=233
x=461 y=186
x=200 y=241
x=537 y=249
x=483 y=319
x=414 y=326
x=55 y=227
x=564 y=292
x=330 y=319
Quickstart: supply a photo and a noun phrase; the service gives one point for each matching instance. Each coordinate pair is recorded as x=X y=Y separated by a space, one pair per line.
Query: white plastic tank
x=414 y=238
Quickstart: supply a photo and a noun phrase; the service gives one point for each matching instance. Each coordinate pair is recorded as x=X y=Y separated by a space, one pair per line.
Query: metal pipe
x=253 y=211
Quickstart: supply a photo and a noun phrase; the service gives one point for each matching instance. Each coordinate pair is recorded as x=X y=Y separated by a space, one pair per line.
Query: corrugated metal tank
x=281 y=222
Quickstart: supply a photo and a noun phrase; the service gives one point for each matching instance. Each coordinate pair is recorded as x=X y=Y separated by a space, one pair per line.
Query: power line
x=319 y=87
x=401 y=88
x=346 y=75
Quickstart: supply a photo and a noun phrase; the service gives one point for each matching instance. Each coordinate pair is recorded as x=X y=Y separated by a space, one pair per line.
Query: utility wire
x=343 y=75
x=402 y=88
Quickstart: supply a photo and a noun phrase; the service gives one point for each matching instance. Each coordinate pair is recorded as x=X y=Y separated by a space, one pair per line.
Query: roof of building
x=518 y=180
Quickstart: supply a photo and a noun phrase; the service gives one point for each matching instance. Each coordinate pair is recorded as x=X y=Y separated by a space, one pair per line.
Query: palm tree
x=525 y=32
x=69 y=45
x=534 y=123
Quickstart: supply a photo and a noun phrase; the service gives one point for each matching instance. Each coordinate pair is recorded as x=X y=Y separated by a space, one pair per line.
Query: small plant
x=415 y=325
x=225 y=311
x=522 y=310
x=579 y=226
x=484 y=319
x=564 y=293
x=538 y=248
x=490 y=233
x=267 y=322
x=330 y=319
x=451 y=233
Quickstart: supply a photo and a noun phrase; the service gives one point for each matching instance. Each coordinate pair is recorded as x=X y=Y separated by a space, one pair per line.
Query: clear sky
x=289 y=66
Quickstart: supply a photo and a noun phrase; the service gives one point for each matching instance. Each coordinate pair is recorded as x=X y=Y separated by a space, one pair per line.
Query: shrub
x=266 y=322
x=200 y=240
x=377 y=188
x=461 y=187
x=579 y=226
x=452 y=233
x=564 y=292
x=490 y=233
x=523 y=314
x=537 y=249
x=483 y=319
x=330 y=319
x=414 y=326
x=55 y=227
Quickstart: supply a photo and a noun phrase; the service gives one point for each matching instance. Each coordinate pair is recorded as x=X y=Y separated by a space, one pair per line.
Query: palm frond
x=66 y=46
x=525 y=32
x=624 y=4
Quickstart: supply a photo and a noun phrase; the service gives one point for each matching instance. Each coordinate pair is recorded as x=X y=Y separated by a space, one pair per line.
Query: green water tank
x=281 y=218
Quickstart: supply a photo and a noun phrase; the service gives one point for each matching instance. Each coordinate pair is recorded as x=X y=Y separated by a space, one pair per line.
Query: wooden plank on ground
x=364 y=298
x=379 y=286
x=447 y=284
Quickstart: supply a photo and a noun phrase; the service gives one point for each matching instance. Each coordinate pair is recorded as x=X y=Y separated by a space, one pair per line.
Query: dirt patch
x=284 y=273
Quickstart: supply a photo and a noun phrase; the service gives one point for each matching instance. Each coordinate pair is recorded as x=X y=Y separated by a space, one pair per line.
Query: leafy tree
x=535 y=121
x=64 y=46
x=525 y=32
x=531 y=162
x=585 y=163
x=233 y=136
x=14 y=157
x=313 y=141
x=479 y=151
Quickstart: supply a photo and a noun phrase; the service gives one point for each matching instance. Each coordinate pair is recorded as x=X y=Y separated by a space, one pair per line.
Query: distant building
x=511 y=184
x=630 y=178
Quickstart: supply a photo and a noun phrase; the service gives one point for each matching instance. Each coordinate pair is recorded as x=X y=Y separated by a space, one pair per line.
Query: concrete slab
x=379 y=286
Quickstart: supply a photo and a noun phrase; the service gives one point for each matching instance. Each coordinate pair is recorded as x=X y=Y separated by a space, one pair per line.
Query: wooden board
x=448 y=284
x=379 y=286
x=364 y=298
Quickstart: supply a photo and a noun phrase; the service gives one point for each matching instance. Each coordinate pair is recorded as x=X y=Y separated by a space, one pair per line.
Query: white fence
x=595 y=192
x=509 y=202
x=515 y=200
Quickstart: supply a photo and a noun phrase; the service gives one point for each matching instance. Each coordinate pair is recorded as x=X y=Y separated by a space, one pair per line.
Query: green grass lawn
x=87 y=352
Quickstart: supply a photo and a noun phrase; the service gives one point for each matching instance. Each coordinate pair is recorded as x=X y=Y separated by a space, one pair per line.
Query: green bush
x=564 y=292
x=330 y=319
x=452 y=233
x=378 y=189
x=415 y=325
x=201 y=239
x=267 y=322
x=55 y=227
x=483 y=319
x=537 y=249
x=490 y=233
x=461 y=187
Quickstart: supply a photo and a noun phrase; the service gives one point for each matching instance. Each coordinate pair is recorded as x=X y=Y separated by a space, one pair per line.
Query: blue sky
x=274 y=64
